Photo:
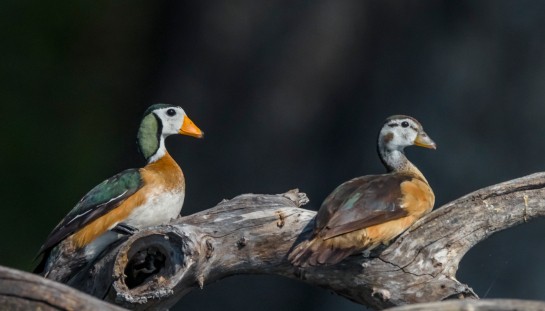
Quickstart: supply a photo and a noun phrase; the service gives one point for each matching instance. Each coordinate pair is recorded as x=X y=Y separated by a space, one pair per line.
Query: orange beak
x=423 y=140
x=190 y=129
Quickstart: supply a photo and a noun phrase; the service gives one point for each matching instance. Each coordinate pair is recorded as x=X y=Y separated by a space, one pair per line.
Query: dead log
x=252 y=234
x=475 y=305
x=24 y=291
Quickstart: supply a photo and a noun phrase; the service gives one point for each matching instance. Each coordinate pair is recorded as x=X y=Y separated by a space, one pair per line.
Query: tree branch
x=252 y=234
x=24 y=291
x=475 y=305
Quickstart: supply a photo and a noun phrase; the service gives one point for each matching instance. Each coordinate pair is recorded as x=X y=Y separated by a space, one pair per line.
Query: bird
x=371 y=210
x=133 y=199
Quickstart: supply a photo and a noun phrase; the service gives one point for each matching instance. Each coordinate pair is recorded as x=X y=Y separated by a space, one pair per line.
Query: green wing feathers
x=100 y=200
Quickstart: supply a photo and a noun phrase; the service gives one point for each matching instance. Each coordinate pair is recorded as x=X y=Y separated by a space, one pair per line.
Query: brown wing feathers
x=318 y=251
x=362 y=213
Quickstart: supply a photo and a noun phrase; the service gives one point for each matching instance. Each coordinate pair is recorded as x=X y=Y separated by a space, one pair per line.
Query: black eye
x=171 y=112
x=404 y=123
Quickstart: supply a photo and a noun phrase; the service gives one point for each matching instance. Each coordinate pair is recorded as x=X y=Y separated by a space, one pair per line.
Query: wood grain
x=475 y=305
x=252 y=234
x=24 y=291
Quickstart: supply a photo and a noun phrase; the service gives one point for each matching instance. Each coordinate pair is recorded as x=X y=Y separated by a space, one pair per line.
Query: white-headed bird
x=367 y=211
x=130 y=200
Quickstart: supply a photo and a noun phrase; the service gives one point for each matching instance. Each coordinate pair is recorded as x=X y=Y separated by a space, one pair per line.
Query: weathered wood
x=252 y=234
x=475 y=305
x=25 y=291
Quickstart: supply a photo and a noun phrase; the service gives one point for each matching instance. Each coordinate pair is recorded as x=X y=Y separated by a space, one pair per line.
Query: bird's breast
x=164 y=194
x=417 y=197
x=159 y=208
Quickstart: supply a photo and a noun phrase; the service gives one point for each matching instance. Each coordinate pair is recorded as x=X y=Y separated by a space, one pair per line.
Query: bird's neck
x=152 y=147
x=395 y=161
x=163 y=164
x=164 y=172
x=159 y=153
x=150 y=139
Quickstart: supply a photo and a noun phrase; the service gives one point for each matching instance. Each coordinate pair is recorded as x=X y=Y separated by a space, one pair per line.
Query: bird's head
x=169 y=120
x=401 y=131
x=161 y=121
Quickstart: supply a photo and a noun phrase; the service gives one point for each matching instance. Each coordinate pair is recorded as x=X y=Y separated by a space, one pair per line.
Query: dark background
x=290 y=94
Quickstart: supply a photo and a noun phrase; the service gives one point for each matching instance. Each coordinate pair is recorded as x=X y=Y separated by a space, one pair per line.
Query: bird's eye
x=171 y=112
x=404 y=123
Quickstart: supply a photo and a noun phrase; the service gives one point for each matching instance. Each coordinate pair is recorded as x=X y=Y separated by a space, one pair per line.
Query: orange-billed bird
x=371 y=210
x=130 y=200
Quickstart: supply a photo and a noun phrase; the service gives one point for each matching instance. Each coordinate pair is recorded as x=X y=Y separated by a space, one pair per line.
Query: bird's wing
x=100 y=200
x=360 y=203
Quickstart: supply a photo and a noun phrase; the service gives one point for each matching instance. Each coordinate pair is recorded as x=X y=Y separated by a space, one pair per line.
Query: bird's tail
x=317 y=251
x=40 y=268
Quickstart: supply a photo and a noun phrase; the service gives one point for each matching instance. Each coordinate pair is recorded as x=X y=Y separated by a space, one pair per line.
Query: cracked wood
x=252 y=234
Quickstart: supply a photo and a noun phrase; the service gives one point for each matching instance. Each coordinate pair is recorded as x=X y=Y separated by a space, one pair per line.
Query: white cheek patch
x=398 y=136
x=179 y=122
x=171 y=125
x=409 y=136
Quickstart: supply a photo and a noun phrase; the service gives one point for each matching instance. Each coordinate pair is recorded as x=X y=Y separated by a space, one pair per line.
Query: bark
x=476 y=305
x=24 y=291
x=252 y=234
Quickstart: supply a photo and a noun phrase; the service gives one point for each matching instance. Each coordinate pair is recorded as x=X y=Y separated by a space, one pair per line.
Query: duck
x=131 y=200
x=371 y=210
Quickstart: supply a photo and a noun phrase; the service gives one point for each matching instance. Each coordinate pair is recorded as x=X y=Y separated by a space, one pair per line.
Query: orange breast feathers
x=417 y=197
x=164 y=174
